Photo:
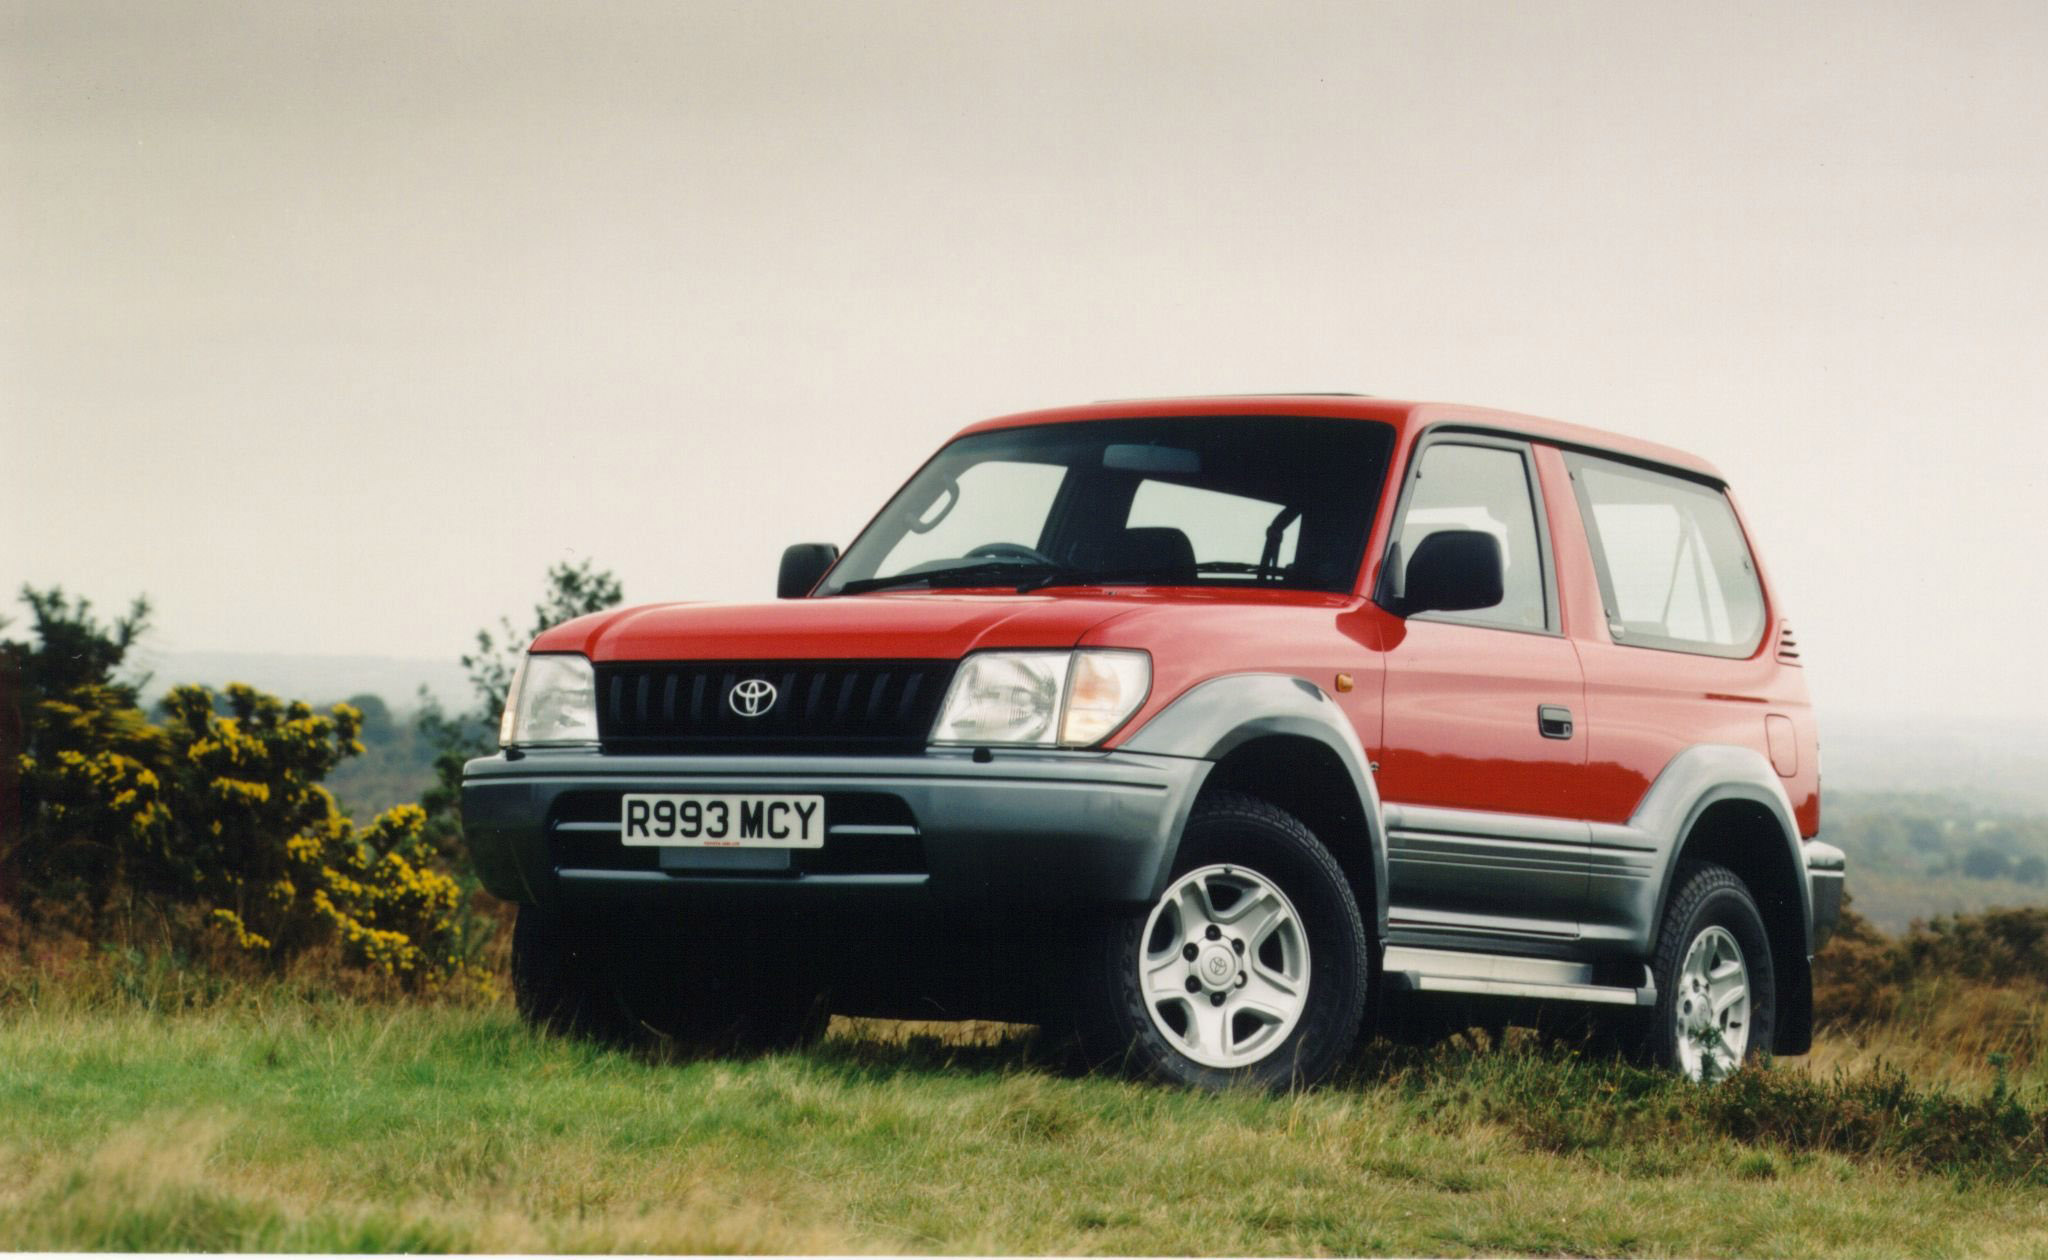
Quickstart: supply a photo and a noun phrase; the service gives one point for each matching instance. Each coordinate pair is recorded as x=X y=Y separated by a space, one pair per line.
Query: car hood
x=908 y=625
x=912 y=626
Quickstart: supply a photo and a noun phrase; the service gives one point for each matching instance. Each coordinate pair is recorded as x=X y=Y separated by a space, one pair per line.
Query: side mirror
x=802 y=566
x=1453 y=570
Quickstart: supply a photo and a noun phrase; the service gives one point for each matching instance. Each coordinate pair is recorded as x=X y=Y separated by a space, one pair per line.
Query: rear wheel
x=1250 y=968
x=1716 y=987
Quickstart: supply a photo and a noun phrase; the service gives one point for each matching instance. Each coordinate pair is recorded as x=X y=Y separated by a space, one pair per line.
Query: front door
x=1483 y=748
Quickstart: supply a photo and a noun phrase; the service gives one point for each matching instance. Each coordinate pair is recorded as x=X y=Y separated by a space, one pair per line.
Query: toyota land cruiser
x=1193 y=727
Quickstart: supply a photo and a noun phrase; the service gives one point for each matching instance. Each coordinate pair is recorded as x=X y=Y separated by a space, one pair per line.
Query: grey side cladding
x=1633 y=863
x=1215 y=718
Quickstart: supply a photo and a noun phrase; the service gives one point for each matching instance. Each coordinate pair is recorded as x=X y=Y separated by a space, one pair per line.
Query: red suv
x=1193 y=727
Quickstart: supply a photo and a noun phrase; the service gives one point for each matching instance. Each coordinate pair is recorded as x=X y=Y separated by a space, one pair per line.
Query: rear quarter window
x=1675 y=570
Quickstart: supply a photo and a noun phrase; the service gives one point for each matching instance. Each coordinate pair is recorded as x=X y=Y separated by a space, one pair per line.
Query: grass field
x=340 y=1126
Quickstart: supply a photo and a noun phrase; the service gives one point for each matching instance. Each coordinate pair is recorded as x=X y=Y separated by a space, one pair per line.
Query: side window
x=1675 y=571
x=1485 y=488
x=1221 y=527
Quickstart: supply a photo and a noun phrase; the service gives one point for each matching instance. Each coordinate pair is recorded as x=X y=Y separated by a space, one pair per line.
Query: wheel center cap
x=1216 y=968
x=1697 y=1017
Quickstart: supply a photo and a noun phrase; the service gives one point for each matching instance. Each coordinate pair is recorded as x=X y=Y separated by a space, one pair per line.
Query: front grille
x=818 y=706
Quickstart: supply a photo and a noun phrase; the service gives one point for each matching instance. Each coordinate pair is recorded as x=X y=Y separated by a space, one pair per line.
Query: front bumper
x=1040 y=829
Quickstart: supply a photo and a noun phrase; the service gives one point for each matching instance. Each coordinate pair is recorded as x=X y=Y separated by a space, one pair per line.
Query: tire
x=1713 y=970
x=558 y=979
x=1280 y=1012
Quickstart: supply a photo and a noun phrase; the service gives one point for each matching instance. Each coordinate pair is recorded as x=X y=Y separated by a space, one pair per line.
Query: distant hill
x=1994 y=763
x=318 y=680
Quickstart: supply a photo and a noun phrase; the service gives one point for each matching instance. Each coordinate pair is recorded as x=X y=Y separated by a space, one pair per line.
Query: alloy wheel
x=1711 y=1008
x=1224 y=966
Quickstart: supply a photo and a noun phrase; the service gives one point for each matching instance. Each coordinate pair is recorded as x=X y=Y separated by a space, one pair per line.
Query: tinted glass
x=1220 y=526
x=992 y=495
x=1483 y=488
x=1675 y=570
x=1173 y=501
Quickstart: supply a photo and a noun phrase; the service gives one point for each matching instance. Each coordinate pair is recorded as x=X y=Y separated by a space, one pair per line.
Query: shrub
x=213 y=826
x=278 y=866
x=1862 y=976
x=1858 y=975
x=1996 y=946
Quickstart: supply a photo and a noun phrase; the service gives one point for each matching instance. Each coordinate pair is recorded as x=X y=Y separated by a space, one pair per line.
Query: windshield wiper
x=1037 y=577
x=1087 y=577
x=987 y=573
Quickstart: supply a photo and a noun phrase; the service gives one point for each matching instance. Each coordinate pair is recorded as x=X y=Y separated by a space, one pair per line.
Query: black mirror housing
x=802 y=565
x=1454 y=570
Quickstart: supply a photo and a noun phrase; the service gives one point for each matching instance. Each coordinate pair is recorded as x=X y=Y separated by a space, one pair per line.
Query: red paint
x=1460 y=720
x=1784 y=741
x=1449 y=711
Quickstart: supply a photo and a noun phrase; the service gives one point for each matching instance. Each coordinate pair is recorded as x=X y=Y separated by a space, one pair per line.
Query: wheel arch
x=1281 y=738
x=1725 y=805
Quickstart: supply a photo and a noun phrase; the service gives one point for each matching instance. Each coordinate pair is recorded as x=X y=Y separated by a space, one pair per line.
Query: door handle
x=1554 y=720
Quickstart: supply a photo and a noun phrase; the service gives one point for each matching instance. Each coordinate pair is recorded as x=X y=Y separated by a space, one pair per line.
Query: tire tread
x=1111 y=1019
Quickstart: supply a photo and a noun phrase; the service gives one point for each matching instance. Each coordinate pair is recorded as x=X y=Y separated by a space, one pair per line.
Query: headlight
x=1069 y=699
x=1103 y=689
x=553 y=700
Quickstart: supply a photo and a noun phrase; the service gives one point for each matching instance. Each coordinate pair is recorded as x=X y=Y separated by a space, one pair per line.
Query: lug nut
x=1237 y=945
x=1240 y=979
x=1214 y=933
x=1194 y=985
x=1215 y=999
x=1188 y=952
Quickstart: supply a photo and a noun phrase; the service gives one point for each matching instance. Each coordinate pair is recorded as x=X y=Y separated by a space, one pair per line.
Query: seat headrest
x=1155 y=548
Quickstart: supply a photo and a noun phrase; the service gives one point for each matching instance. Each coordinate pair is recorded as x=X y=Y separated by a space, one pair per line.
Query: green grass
x=338 y=1127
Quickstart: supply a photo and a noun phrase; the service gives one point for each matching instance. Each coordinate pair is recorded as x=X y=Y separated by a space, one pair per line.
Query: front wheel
x=1250 y=968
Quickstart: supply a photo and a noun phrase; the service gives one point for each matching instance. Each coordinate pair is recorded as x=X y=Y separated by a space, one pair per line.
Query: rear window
x=1675 y=571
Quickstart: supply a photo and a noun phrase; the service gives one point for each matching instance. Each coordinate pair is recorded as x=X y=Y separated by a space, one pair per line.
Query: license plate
x=723 y=822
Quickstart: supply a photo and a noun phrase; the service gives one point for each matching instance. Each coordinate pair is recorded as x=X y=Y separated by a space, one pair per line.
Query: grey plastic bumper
x=1825 y=867
x=1037 y=828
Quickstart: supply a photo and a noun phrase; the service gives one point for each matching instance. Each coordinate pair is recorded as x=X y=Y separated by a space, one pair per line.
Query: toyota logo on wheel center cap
x=752 y=698
x=1216 y=968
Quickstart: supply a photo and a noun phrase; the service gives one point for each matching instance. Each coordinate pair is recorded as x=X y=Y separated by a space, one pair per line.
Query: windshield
x=1237 y=501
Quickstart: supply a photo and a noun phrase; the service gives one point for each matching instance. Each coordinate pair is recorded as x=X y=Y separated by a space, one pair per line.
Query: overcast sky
x=330 y=326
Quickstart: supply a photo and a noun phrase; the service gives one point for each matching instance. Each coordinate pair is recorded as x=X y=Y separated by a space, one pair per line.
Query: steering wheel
x=1010 y=551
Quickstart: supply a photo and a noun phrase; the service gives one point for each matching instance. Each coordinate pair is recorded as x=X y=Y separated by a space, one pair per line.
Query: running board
x=1501 y=975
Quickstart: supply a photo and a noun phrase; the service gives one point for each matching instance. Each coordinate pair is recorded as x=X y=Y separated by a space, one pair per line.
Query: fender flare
x=1212 y=719
x=1707 y=775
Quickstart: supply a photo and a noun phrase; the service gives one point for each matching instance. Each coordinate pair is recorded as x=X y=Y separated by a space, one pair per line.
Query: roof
x=1404 y=415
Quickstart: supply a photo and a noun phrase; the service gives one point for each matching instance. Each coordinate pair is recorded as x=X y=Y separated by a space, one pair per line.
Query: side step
x=1502 y=975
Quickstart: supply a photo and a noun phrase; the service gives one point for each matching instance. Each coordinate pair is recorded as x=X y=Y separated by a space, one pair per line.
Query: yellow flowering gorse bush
x=212 y=826
x=281 y=865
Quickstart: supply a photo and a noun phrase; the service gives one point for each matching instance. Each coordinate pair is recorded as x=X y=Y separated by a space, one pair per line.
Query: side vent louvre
x=1788 y=644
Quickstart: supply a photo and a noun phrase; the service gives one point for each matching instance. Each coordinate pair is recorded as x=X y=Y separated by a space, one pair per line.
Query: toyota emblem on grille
x=752 y=698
